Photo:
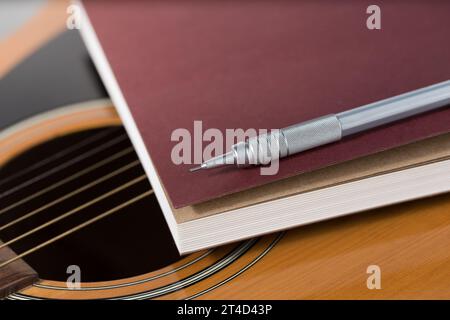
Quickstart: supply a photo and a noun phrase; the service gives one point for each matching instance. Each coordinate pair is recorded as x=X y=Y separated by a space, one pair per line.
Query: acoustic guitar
x=78 y=220
x=74 y=197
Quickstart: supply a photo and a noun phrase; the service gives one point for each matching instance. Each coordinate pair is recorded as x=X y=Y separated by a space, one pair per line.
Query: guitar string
x=71 y=194
x=68 y=179
x=78 y=227
x=64 y=165
x=75 y=210
x=59 y=154
x=71 y=212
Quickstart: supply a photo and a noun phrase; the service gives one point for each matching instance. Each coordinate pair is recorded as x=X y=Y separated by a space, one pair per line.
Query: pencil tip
x=195 y=169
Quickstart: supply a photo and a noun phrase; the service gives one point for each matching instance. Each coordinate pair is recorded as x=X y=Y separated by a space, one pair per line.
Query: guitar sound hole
x=132 y=241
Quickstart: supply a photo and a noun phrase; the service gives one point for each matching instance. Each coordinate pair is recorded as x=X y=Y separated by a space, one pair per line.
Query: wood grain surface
x=409 y=242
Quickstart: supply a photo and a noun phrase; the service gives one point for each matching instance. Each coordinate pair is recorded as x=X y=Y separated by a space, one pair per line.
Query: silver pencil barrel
x=396 y=108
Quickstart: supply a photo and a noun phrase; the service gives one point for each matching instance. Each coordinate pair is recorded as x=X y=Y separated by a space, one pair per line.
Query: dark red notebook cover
x=268 y=64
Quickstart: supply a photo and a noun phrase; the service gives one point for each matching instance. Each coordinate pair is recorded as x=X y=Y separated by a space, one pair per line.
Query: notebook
x=266 y=65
